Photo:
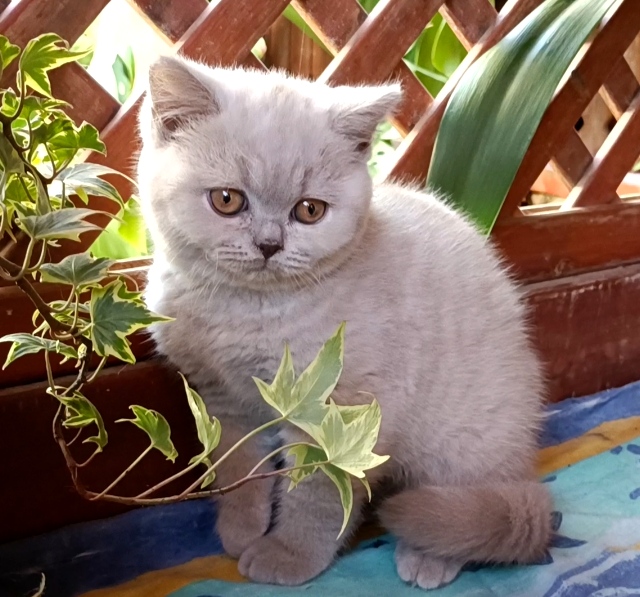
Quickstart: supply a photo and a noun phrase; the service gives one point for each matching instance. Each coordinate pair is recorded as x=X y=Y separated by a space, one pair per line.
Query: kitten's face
x=265 y=176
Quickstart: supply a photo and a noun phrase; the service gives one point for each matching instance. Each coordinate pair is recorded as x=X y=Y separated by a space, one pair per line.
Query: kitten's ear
x=177 y=95
x=363 y=109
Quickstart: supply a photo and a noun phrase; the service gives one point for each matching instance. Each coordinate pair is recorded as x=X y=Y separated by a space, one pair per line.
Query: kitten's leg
x=303 y=542
x=244 y=514
x=442 y=528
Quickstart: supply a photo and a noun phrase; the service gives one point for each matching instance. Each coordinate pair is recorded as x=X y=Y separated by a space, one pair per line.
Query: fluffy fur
x=435 y=328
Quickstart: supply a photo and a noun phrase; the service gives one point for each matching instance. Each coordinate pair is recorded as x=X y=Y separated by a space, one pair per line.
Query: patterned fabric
x=590 y=459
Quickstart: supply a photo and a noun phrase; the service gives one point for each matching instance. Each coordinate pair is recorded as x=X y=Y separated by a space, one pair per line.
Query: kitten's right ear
x=177 y=95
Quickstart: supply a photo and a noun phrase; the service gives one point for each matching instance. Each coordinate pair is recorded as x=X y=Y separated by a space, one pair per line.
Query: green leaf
x=87 y=177
x=9 y=158
x=115 y=314
x=343 y=482
x=291 y=14
x=304 y=455
x=208 y=427
x=82 y=413
x=80 y=271
x=42 y=54
x=124 y=70
x=8 y=52
x=24 y=344
x=9 y=103
x=156 y=427
x=125 y=237
x=64 y=223
x=499 y=103
x=349 y=445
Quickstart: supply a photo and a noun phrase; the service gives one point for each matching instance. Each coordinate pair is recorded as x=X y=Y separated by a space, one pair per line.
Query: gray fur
x=435 y=327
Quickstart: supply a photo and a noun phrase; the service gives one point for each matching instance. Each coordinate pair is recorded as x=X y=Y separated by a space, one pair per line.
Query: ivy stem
x=124 y=473
x=226 y=455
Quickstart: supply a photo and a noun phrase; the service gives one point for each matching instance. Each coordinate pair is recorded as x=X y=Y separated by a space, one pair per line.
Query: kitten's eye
x=227 y=202
x=309 y=211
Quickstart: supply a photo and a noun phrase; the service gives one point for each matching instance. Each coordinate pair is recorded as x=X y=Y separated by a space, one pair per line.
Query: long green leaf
x=499 y=103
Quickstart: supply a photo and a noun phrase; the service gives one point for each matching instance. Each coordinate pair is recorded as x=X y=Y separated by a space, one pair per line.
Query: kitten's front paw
x=244 y=516
x=425 y=571
x=269 y=560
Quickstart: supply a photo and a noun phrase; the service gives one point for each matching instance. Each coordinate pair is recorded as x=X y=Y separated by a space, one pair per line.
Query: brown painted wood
x=583 y=328
x=172 y=18
x=394 y=25
x=469 y=19
x=620 y=88
x=414 y=154
x=335 y=24
x=614 y=159
x=572 y=99
x=28 y=18
x=555 y=245
x=36 y=492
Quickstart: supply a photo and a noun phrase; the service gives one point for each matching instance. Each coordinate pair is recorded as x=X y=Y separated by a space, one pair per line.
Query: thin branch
x=124 y=473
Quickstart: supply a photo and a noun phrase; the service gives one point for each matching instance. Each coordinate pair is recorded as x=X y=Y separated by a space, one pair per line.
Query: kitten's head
x=261 y=176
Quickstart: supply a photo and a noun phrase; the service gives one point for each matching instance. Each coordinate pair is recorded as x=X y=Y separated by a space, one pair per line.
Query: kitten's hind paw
x=423 y=570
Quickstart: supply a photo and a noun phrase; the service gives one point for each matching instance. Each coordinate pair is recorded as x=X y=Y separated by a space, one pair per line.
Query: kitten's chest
x=238 y=339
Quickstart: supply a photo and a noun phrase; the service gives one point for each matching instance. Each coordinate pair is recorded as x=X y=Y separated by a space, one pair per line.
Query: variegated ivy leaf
x=156 y=427
x=343 y=482
x=64 y=223
x=208 y=427
x=85 y=179
x=82 y=413
x=24 y=344
x=304 y=403
x=115 y=314
x=303 y=456
x=41 y=55
x=349 y=445
x=9 y=158
x=8 y=52
x=79 y=271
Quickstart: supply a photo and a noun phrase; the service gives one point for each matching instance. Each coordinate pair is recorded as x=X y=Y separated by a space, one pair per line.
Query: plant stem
x=226 y=455
x=124 y=473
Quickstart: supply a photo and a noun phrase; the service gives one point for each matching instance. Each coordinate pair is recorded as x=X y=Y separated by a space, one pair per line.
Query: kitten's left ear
x=178 y=95
x=363 y=109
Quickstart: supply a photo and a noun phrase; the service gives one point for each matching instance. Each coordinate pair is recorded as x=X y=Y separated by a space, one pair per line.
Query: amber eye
x=227 y=202
x=309 y=211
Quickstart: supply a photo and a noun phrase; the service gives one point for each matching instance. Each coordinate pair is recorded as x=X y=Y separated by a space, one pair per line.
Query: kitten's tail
x=499 y=523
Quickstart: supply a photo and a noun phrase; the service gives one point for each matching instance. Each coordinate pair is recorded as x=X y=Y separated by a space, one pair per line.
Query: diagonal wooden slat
x=394 y=25
x=620 y=88
x=414 y=154
x=613 y=160
x=336 y=23
x=469 y=19
x=170 y=17
x=572 y=99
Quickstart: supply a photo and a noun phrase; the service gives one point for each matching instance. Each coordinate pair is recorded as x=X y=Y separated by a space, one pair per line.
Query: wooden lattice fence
x=580 y=258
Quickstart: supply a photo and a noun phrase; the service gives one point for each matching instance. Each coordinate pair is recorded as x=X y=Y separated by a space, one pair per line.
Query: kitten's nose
x=269 y=249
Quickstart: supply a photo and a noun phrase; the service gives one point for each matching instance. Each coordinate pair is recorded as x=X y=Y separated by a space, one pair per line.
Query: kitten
x=268 y=230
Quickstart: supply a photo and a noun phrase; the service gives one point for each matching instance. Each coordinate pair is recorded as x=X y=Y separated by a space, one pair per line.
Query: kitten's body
x=434 y=330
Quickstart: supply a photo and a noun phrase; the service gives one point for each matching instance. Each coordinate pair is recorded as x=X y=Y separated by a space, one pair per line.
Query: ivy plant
x=45 y=190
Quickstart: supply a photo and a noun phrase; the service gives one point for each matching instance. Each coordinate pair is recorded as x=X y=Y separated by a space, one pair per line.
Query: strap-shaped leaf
x=115 y=314
x=64 y=223
x=82 y=413
x=42 y=54
x=80 y=271
x=24 y=344
x=497 y=106
x=156 y=427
